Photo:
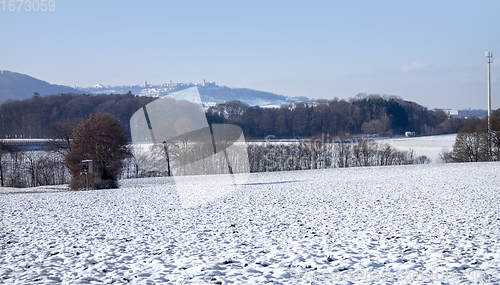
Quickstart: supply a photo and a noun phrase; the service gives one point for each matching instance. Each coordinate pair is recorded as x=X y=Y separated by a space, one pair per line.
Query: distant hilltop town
x=211 y=93
x=174 y=85
x=146 y=90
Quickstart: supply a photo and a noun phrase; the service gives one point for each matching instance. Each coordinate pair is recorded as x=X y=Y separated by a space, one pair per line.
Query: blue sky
x=430 y=52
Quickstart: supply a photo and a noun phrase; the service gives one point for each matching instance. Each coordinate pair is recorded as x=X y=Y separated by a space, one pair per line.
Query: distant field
x=400 y=222
x=429 y=146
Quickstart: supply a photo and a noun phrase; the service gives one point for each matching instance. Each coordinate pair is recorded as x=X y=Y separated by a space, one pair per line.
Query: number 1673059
x=28 y=5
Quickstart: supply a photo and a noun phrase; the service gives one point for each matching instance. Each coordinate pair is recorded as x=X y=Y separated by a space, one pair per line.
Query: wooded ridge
x=364 y=114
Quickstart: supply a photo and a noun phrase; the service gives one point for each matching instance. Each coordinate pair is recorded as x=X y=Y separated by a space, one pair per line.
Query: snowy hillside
x=210 y=95
x=431 y=222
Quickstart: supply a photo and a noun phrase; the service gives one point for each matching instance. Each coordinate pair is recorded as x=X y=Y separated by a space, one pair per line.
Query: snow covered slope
x=210 y=95
x=284 y=228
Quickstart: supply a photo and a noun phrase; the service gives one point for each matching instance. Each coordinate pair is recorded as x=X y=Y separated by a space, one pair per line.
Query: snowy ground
x=430 y=146
x=357 y=224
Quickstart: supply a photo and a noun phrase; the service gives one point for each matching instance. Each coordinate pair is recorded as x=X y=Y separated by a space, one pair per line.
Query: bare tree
x=61 y=135
x=471 y=145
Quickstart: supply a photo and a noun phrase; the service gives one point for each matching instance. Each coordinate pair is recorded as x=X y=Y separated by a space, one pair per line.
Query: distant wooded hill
x=17 y=86
x=364 y=114
x=33 y=117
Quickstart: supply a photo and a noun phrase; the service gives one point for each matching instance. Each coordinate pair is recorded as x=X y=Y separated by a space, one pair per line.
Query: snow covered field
x=430 y=146
x=359 y=225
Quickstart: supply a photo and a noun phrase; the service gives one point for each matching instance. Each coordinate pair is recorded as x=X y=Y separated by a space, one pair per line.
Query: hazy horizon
x=426 y=52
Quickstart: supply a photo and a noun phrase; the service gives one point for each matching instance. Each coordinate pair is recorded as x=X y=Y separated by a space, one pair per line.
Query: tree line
x=317 y=154
x=32 y=168
x=34 y=117
x=364 y=114
x=271 y=156
x=475 y=143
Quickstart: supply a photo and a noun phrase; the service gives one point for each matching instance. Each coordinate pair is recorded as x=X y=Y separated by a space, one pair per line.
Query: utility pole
x=489 y=55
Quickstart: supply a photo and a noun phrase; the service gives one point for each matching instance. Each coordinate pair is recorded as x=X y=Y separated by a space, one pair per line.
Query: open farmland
x=430 y=146
x=283 y=227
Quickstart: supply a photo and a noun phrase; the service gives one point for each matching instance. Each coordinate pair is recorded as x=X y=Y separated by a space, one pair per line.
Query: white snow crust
x=285 y=227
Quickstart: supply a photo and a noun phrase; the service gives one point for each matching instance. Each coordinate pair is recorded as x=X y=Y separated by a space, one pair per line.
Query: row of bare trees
x=318 y=155
x=35 y=168
x=32 y=168
x=268 y=157
x=186 y=158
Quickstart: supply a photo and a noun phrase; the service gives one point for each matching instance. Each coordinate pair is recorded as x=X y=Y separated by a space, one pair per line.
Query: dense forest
x=34 y=117
x=364 y=114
